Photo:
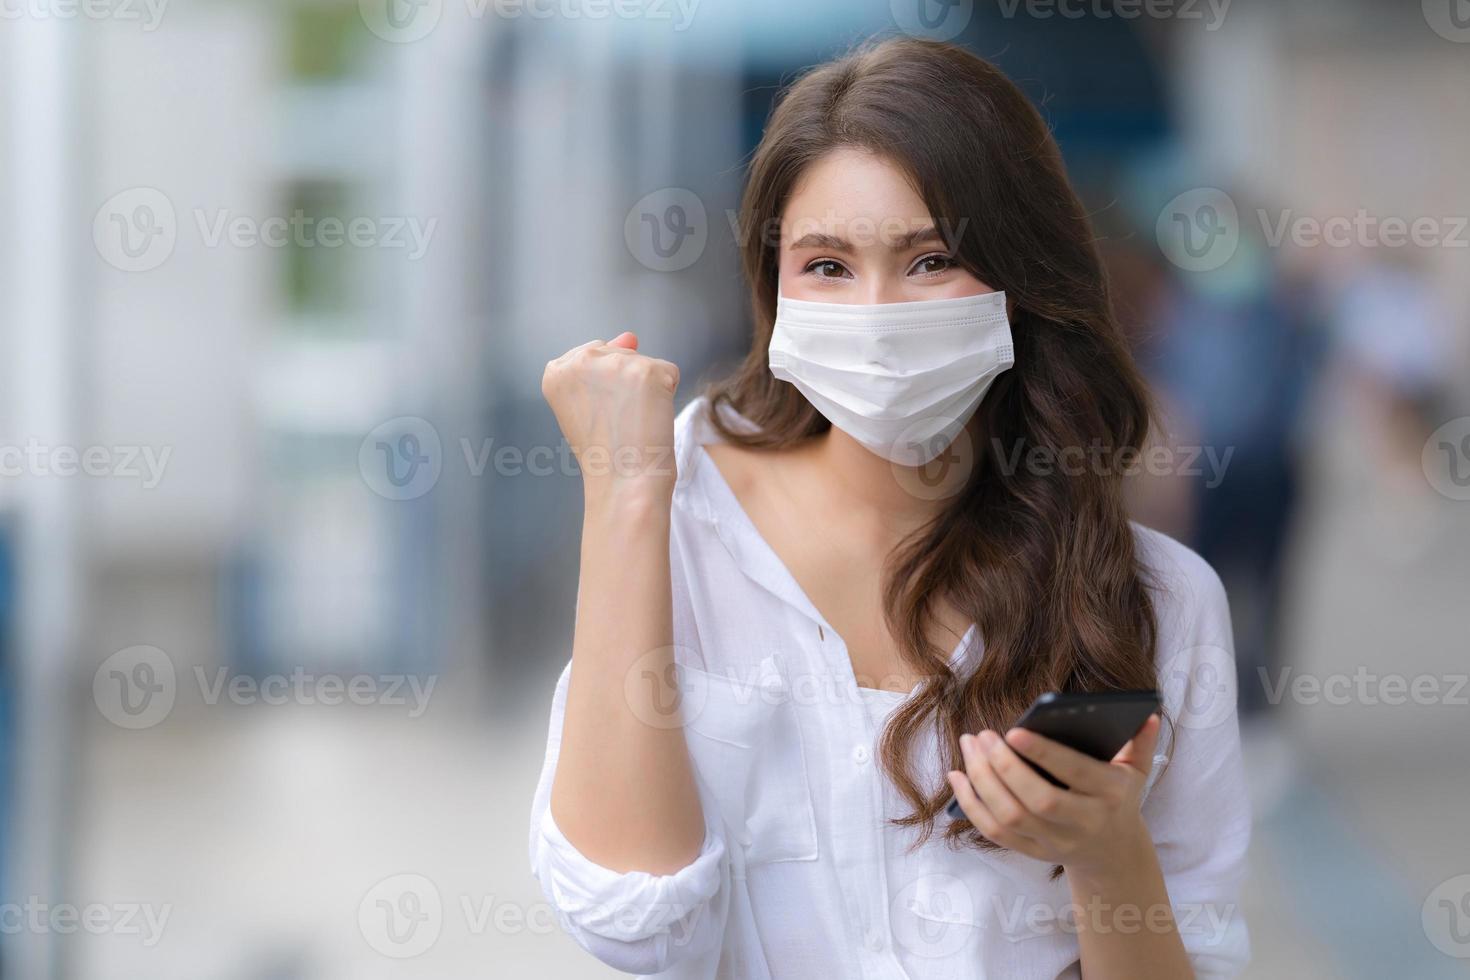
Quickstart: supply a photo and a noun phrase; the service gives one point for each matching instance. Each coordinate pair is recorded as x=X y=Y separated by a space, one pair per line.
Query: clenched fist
x=615 y=407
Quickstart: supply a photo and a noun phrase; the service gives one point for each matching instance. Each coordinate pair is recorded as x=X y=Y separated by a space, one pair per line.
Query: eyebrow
x=918 y=236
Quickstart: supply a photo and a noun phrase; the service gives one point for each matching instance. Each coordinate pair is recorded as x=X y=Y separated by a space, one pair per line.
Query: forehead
x=852 y=187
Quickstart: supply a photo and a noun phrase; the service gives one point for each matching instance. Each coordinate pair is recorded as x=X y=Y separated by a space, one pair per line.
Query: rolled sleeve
x=626 y=906
x=633 y=921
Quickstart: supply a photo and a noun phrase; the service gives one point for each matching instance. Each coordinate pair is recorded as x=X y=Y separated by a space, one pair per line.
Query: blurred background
x=288 y=537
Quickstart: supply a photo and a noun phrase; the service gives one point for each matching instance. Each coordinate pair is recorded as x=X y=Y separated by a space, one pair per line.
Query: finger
x=993 y=790
x=984 y=821
x=1082 y=773
x=1040 y=798
x=1139 y=752
x=627 y=340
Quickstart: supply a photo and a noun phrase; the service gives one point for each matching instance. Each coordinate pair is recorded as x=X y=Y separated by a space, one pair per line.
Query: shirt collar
x=703 y=493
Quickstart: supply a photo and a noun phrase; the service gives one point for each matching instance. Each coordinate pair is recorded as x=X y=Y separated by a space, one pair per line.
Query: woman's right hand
x=624 y=792
x=615 y=407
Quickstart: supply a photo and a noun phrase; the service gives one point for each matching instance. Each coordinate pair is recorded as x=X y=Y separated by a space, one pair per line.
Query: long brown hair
x=1041 y=560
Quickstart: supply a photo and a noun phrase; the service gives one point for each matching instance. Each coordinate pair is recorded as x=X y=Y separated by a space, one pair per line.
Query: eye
x=932 y=264
x=828 y=269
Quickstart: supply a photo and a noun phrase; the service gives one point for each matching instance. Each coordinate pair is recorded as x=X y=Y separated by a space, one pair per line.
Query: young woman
x=812 y=605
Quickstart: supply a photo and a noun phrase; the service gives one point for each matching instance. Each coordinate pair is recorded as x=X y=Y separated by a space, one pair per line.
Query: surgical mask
x=900 y=378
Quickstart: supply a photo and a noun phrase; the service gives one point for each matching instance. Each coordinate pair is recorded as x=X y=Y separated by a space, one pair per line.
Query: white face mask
x=900 y=378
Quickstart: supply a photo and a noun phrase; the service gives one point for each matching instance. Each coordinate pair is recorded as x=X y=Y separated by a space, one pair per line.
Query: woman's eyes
x=934 y=264
x=828 y=269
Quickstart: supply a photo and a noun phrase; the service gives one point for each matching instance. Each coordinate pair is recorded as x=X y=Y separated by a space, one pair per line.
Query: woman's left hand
x=1094 y=826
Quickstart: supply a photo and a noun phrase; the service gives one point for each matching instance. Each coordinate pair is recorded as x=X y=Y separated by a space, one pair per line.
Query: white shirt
x=801 y=875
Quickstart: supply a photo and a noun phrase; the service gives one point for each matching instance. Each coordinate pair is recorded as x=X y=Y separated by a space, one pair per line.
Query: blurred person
x=813 y=603
x=1234 y=353
x=1395 y=355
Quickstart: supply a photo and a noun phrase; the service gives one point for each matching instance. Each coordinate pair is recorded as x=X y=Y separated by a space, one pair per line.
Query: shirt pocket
x=745 y=742
x=935 y=916
x=939 y=914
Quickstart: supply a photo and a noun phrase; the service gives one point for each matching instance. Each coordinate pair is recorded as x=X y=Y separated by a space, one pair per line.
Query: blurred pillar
x=43 y=254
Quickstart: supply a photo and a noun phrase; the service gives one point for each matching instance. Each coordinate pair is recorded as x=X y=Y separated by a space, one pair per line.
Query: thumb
x=1139 y=752
x=627 y=340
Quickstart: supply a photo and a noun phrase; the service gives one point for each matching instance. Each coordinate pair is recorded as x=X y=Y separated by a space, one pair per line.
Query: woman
x=811 y=605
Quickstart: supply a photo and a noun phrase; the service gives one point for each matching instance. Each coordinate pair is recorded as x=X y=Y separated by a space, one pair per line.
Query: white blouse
x=801 y=874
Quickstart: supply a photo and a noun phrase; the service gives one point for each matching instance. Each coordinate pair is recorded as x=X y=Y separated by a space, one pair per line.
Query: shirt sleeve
x=633 y=921
x=1197 y=809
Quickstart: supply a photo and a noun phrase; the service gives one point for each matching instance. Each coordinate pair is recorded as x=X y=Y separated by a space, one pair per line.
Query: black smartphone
x=1096 y=724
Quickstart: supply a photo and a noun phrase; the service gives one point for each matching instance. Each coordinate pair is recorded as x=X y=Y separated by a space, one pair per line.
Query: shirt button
x=860 y=755
x=875 y=943
x=745 y=839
